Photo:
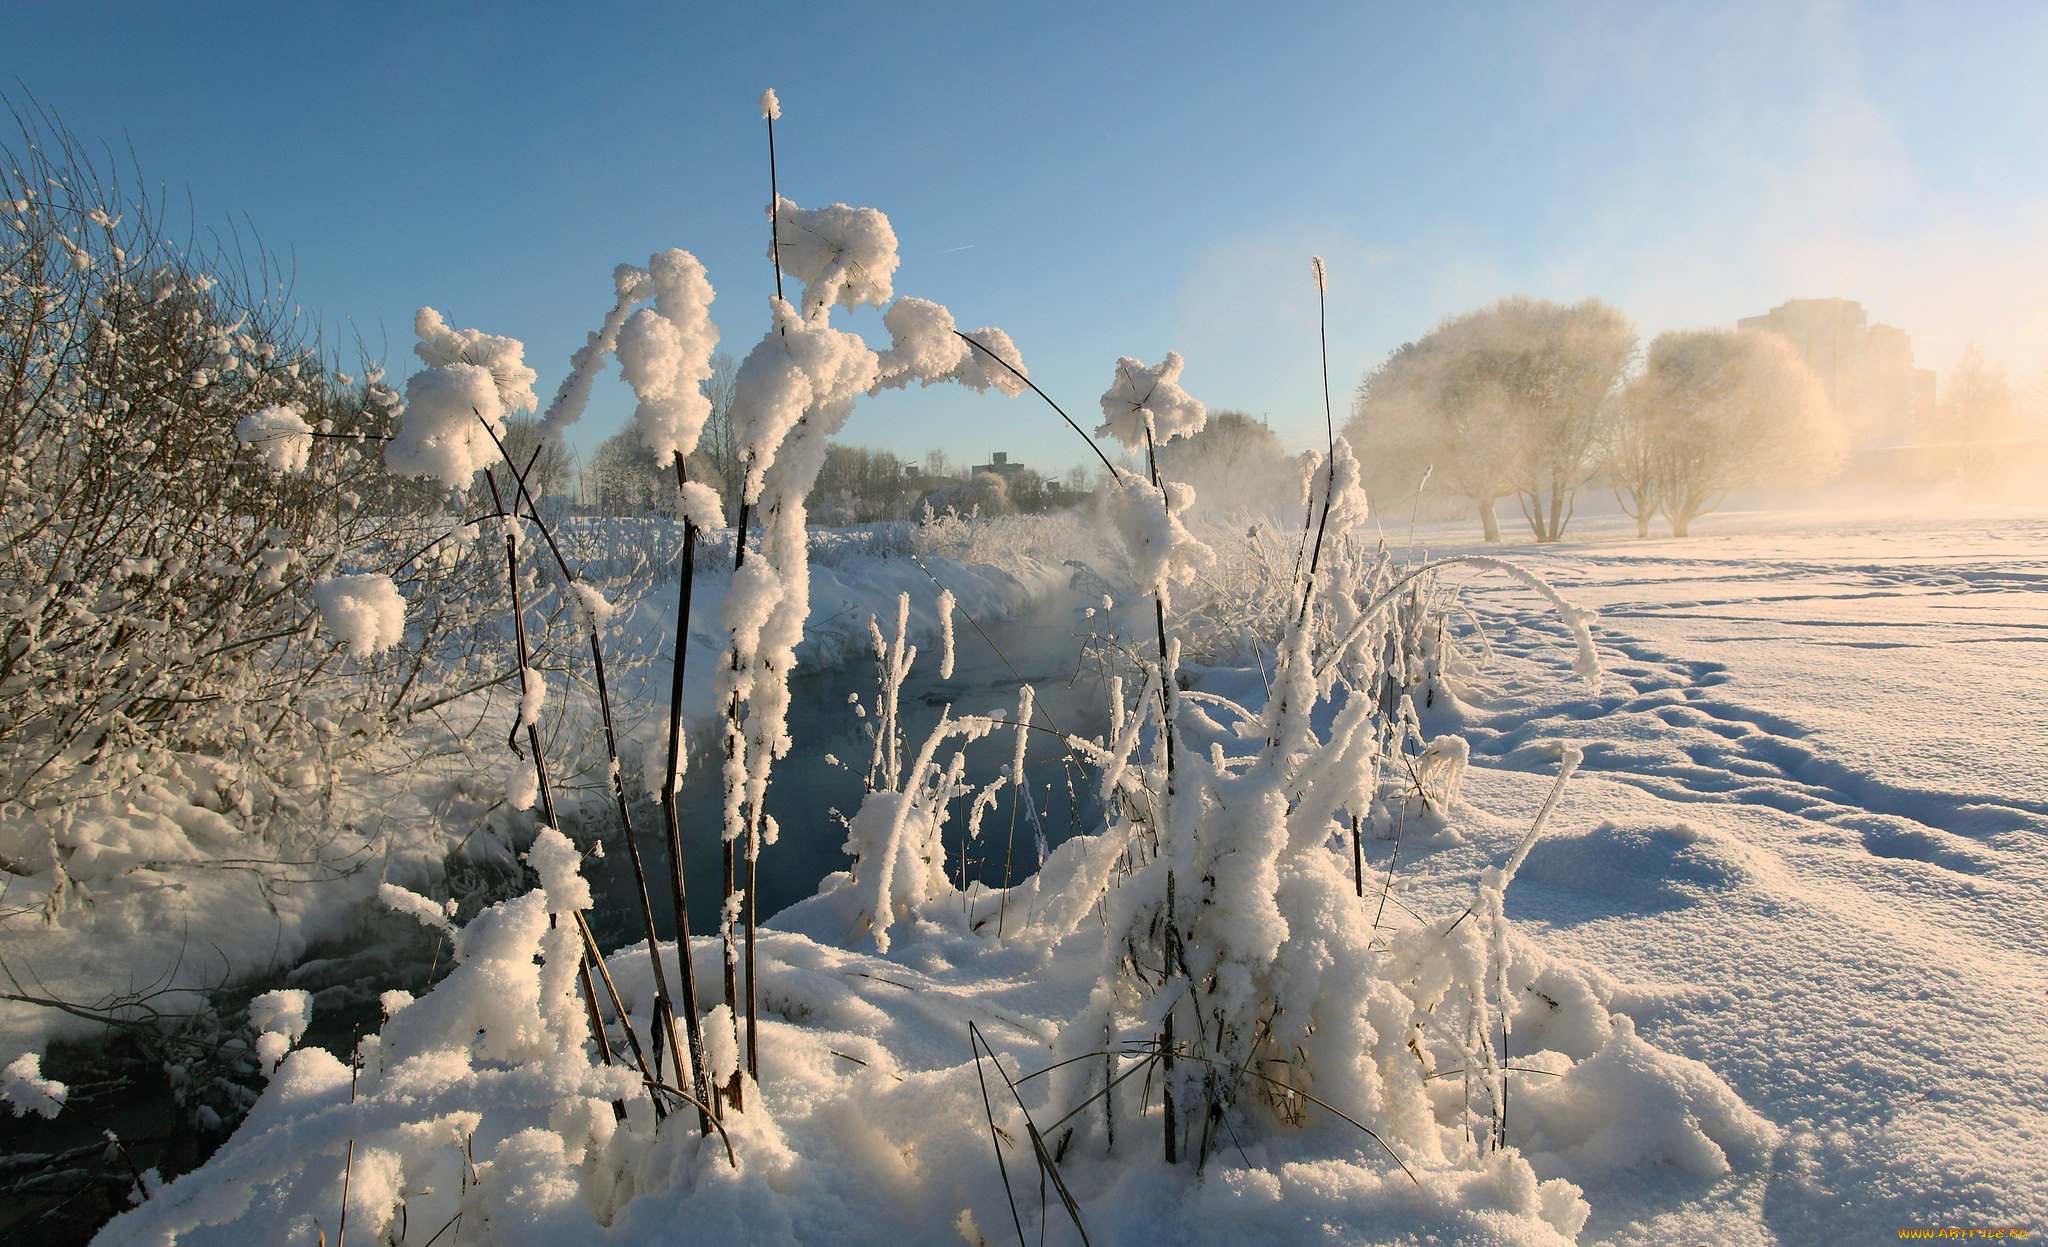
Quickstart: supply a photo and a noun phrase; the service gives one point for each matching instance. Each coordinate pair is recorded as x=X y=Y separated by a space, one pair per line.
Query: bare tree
x=720 y=444
x=858 y=486
x=1718 y=409
x=548 y=473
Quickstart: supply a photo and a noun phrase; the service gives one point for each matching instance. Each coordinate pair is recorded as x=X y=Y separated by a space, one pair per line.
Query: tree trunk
x=1491 y=520
x=1642 y=525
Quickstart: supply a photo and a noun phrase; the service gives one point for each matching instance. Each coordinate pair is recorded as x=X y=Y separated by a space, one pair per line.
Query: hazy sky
x=1098 y=179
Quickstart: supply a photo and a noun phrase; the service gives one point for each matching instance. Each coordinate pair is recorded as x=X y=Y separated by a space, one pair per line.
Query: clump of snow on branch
x=455 y=410
x=654 y=761
x=560 y=867
x=533 y=694
x=1162 y=551
x=771 y=108
x=801 y=369
x=699 y=505
x=280 y=1018
x=978 y=373
x=504 y=358
x=843 y=255
x=364 y=612
x=592 y=604
x=522 y=782
x=427 y=912
x=665 y=354
x=1341 y=483
x=25 y=1089
x=1146 y=406
x=279 y=436
x=922 y=344
x=925 y=345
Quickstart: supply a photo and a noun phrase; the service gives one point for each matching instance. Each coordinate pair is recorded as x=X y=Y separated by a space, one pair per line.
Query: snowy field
x=1808 y=838
x=1805 y=850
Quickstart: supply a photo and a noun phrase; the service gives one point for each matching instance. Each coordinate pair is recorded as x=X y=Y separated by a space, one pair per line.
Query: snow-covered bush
x=178 y=466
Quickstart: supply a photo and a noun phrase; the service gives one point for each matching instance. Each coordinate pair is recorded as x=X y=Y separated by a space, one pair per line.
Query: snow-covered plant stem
x=546 y=790
x=1330 y=427
x=737 y=816
x=1175 y=967
x=594 y=611
x=672 y=819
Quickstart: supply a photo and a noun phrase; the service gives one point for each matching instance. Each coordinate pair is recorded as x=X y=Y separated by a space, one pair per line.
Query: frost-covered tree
x=1712 y=411
x=1234 y=462
x=1976 y=406
x=857 y=485
x=625 y=478
x=1513 y=399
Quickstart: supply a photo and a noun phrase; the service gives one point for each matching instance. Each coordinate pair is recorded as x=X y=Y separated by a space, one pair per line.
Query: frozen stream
x=1044 y=645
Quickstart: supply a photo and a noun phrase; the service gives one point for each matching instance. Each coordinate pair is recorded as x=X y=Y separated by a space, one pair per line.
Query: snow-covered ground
x=1810 y=840
x=1805 y=850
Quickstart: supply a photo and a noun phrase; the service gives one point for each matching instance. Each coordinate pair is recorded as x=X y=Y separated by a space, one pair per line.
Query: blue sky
x=1099 y=179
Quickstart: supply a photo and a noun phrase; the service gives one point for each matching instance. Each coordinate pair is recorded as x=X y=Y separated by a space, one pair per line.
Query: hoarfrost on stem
x=1162 y=552
x=631 y=285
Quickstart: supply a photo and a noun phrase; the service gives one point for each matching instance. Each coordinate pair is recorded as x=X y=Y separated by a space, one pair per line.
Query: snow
x=364 y=612
x=440 y=346
x=596 y=610
x=455 y=409
x=1146 y=406
x=699 y=505
x=429 y=913
x=944 y=610
x=1773 y=951
x=843 y=255
x=26 y=1091
x=630 y=285
x=665 y=353
x=279 y=437
x=442 y=433
x=1160 y=549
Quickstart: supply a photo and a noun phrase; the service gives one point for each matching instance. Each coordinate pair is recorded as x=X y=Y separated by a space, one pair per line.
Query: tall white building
x=1867 y=370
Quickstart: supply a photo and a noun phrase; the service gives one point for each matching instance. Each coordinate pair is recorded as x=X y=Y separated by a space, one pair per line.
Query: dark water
x=805 y=790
